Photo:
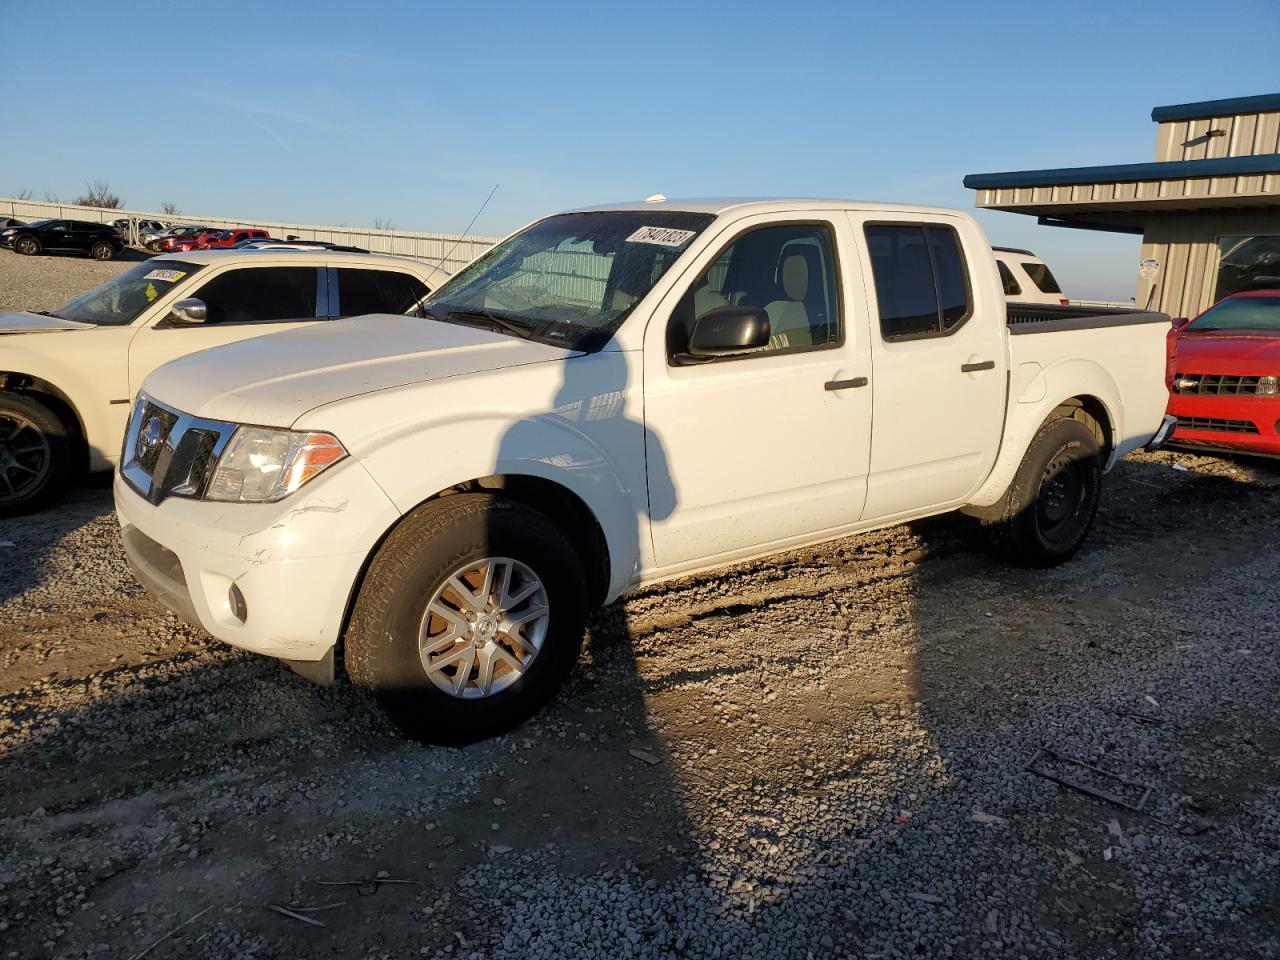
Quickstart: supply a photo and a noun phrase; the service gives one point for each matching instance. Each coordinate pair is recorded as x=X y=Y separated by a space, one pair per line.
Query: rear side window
x=377 y=291
x=922 y=283
x=1007 y=280
x=1041 y=277
x=261 y=295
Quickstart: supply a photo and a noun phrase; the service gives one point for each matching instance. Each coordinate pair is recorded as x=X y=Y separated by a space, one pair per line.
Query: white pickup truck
x=607 y=398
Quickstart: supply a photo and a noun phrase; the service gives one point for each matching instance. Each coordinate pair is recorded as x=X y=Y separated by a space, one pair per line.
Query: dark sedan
x=97 y=240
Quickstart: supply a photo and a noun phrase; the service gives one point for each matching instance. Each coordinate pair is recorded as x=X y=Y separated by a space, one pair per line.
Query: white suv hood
x=273 y=380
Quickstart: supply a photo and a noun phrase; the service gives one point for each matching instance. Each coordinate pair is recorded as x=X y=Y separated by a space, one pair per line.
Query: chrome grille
x=1215 y=383
x=1216 y=426
x=168 y=453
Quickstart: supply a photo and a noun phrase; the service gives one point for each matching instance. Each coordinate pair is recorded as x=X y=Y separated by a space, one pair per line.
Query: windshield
x=119 y=301
x=1247 y=313
x=570 y=279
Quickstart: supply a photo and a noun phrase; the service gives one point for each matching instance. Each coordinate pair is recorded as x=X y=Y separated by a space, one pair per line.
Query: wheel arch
x=48 y=393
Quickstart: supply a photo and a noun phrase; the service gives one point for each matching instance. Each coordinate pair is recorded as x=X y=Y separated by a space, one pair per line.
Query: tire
x=37 y=461
x=102 y=250
x=1053 y=500
x=409 y=579
x=27 y=246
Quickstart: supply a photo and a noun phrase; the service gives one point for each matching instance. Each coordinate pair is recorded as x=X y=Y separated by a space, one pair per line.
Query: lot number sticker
x=169 y=276
x=662 y=236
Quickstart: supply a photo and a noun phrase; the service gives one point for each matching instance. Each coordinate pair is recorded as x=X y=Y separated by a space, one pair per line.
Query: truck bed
x=1052 y=317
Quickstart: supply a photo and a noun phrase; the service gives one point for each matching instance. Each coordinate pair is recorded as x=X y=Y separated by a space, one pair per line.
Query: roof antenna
x=436 y=265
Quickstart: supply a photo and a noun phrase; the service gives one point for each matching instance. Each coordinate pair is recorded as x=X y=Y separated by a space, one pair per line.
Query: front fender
x=1038 y=396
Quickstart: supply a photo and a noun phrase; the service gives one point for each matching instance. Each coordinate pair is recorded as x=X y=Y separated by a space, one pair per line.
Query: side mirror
x=189 y=311
x=727 y=332
x=1179 y=322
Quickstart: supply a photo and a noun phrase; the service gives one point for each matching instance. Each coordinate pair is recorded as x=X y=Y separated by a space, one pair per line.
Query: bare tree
x=51 y=197
x=380 y=224
x=98 y=194
x=23 y=194
x=169 y=208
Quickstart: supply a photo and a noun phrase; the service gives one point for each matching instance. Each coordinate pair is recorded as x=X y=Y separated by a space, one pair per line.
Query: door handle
x=845 y=384
x=975 y=367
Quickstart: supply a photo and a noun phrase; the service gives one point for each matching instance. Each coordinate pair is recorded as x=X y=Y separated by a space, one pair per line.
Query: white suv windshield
x=569 y=279
x=119 y=301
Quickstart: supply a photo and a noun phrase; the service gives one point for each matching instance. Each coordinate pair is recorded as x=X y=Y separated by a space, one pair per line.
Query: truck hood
x=20 y=321
x=1229 y=353
x=275 y=379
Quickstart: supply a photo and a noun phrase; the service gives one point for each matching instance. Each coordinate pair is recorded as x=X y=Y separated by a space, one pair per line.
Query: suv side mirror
x=1179 y=322
x=189 y=311
x=727 y=332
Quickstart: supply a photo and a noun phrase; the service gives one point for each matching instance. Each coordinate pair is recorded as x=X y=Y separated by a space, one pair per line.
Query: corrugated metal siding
x=1246 y=134
x=430 y=247
x=1187 y=248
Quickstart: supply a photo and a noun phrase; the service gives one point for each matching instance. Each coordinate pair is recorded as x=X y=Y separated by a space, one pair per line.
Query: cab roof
x=722 y=205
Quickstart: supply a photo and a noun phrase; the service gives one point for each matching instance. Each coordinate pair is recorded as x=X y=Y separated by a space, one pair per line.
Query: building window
x=1247 y=263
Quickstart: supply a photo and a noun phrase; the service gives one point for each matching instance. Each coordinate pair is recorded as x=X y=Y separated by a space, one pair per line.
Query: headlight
x=1268 y=386
x=261 y=465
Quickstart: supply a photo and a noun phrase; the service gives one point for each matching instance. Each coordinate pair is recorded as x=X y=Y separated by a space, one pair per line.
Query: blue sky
x=410 y=113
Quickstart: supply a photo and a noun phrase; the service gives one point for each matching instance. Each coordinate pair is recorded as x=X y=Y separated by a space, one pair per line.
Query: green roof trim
x=1129 y=172
x=1262 y=103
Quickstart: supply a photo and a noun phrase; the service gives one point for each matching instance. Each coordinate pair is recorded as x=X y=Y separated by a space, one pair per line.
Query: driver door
x=750 y=451
x=243 y=301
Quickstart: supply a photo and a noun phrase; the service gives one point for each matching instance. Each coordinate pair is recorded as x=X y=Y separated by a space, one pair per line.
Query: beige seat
x=706 y=297
x=788 y=319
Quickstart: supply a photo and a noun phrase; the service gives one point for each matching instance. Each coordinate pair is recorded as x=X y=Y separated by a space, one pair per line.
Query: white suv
x=1026 y=278
x=65 y=385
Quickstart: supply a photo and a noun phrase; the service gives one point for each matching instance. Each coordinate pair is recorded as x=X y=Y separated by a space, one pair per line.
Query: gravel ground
x=824 y=754
x=47 y=282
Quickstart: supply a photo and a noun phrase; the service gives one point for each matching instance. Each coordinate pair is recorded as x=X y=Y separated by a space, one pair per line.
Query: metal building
x=1208 y=208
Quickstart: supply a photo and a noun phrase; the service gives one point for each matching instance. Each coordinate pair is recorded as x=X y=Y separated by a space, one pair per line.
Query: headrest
x=795 y=277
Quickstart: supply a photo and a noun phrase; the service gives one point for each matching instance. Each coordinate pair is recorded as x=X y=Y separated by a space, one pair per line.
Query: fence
x=448 y=249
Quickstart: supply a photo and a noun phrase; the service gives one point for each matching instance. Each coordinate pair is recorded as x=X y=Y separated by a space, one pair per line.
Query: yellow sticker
x=151 y=292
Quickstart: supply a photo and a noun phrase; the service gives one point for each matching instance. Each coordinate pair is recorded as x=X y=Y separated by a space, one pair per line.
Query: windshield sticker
x=663 y=236
x=169 y=276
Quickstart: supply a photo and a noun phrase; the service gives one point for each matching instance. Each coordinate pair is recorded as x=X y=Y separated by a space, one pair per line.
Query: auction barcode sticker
x=172 y=276
x=663 y=236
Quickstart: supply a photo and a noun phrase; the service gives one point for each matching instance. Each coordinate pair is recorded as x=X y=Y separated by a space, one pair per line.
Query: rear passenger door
x=939 y=378
x=356 y=291
x=242 y=302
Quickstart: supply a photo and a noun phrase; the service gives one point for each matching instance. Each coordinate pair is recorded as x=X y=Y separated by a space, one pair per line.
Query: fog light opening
x=235 y=600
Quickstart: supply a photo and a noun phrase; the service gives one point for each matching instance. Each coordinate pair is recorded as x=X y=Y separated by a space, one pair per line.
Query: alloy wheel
x=25 y=457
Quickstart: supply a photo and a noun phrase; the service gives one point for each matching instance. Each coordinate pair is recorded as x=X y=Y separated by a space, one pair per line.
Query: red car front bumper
x=1244 y=424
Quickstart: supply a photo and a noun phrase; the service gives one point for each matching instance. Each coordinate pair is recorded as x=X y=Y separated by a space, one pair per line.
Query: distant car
x=1026 y=278
x=222 y=239
x=166 y=242
x=1223 y=374
x=11 y=222
x=98 y=240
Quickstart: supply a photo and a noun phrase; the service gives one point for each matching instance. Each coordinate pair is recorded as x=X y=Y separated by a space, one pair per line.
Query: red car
x=219 y=239
x=1223 y=374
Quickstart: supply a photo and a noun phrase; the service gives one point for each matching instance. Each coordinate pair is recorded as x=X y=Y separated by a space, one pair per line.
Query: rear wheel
x=36 y=454
x=27 y=246
x=469 y=619
x=1053 y=500
x=102 y=250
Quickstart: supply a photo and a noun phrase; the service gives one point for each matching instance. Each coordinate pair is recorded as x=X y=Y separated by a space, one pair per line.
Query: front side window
x=570 y=279
x=377 y=291
x=122 y=299
x=260 y=295
x=922 y=282
x=1041 y=277
x=1010 y=283
x=786 y=271
x=1247 y=263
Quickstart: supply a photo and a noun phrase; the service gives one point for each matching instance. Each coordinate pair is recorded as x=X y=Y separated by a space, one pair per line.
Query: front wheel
x=1051 y=504
x=36 y=455
x=469 y=619
x=27 y=246
x=102 y=251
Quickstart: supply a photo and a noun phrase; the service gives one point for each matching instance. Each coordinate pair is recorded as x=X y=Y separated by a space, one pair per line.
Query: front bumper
x=292 y=564
x=1162 y=436
x=1242 y=424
